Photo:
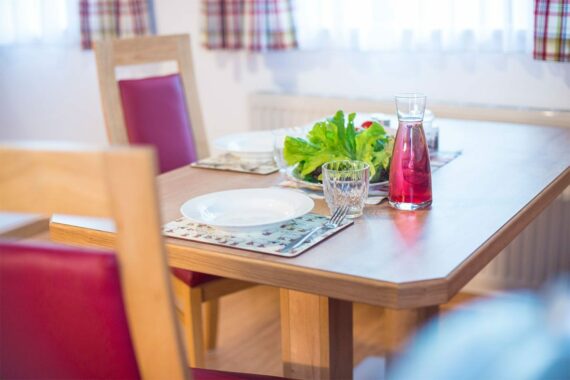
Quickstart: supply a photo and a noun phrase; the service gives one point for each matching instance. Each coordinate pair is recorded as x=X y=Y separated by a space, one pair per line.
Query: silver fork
x=335 y=221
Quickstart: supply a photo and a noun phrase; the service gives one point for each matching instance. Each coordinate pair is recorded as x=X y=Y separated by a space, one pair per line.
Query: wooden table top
x=505 y=176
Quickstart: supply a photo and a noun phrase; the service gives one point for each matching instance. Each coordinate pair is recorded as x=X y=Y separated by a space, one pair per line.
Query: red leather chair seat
x=155 y=113
x=207 y=374
x=192 y=278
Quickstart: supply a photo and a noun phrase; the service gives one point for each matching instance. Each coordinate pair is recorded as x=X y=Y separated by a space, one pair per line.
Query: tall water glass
x=346 y=183
x=279 y=136
x=410 y=172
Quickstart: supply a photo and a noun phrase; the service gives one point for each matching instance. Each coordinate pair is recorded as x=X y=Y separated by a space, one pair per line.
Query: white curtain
x=415 y=25
x=38 y=22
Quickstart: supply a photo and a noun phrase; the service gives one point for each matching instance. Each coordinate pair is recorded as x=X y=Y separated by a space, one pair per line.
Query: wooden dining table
x=409 y=262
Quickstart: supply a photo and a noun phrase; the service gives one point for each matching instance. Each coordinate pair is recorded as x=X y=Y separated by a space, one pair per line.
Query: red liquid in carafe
x=410 y=172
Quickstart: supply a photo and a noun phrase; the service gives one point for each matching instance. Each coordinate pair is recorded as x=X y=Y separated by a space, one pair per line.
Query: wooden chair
x=113 y=53
x=145 y=122
x=108 y=184
x=49 y=328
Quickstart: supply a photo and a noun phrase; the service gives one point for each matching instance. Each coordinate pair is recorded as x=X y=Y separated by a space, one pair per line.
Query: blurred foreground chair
x=524 y=336
x=164 y=112
x=69 y=312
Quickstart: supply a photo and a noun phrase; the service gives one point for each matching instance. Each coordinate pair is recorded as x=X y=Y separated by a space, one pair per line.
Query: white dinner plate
x=248 y=145
x=246 y=210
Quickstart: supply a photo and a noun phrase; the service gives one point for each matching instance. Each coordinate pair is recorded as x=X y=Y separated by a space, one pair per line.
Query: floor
x=249 y=339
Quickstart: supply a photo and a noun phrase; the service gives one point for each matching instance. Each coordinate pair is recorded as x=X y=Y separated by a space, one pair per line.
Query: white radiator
x=540 y=252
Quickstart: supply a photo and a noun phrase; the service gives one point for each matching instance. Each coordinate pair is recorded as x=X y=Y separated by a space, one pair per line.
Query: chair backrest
x=113 y=53
x=116 y=183
x=62 y=314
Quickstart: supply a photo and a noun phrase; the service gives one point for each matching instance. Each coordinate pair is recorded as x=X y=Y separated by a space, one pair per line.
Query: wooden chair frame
x=201 y=333
x=113 y=53
x=109 y=183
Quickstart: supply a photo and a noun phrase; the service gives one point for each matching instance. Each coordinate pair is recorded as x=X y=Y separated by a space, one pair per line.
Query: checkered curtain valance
x=552 y=30
x=253 y=25
x=114 y=18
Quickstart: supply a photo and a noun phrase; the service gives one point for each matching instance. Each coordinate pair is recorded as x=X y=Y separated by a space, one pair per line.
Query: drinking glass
x=346 y=183
x=410 y=172
x=278 y=145
x=279 y=136
x=431 y=131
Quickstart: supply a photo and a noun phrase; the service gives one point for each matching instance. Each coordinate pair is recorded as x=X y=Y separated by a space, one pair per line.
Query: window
x=38 y=22
x=415 y=25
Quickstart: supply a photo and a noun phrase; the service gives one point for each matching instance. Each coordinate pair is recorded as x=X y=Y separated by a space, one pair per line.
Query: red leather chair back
x=155 y=113
x=62 y=314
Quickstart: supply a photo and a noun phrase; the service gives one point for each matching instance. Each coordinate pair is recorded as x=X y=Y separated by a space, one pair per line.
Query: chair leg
x=193 y=327
x=211 y=321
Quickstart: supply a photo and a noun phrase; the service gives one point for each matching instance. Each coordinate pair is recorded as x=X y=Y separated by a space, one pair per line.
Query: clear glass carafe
x=410 y=171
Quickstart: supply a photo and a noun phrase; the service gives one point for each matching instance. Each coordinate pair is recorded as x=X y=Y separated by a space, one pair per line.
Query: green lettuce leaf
x=337 y=139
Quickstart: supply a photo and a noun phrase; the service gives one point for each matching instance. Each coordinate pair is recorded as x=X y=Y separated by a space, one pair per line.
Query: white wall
x=52 y=93
x=49 y=94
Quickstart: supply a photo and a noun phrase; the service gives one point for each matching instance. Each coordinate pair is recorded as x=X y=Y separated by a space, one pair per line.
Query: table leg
x=316 y=334
x=401 y=326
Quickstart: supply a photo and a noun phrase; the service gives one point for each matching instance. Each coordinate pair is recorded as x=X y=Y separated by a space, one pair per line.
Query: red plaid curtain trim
x=552 y=30
x=248 y=24
x=113 y=18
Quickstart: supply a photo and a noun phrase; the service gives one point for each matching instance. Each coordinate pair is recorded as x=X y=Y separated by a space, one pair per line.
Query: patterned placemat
x=269 y=241
x=439 y=159
x=234 y=163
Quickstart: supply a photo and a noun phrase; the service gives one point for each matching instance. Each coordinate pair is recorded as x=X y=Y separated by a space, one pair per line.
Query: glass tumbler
x=346 y=183
x=410 y=172
x=431 y=131
x=279 y=136
x=278 y=145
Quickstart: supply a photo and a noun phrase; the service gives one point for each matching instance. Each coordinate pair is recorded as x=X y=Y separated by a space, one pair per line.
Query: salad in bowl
x=337 y=138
